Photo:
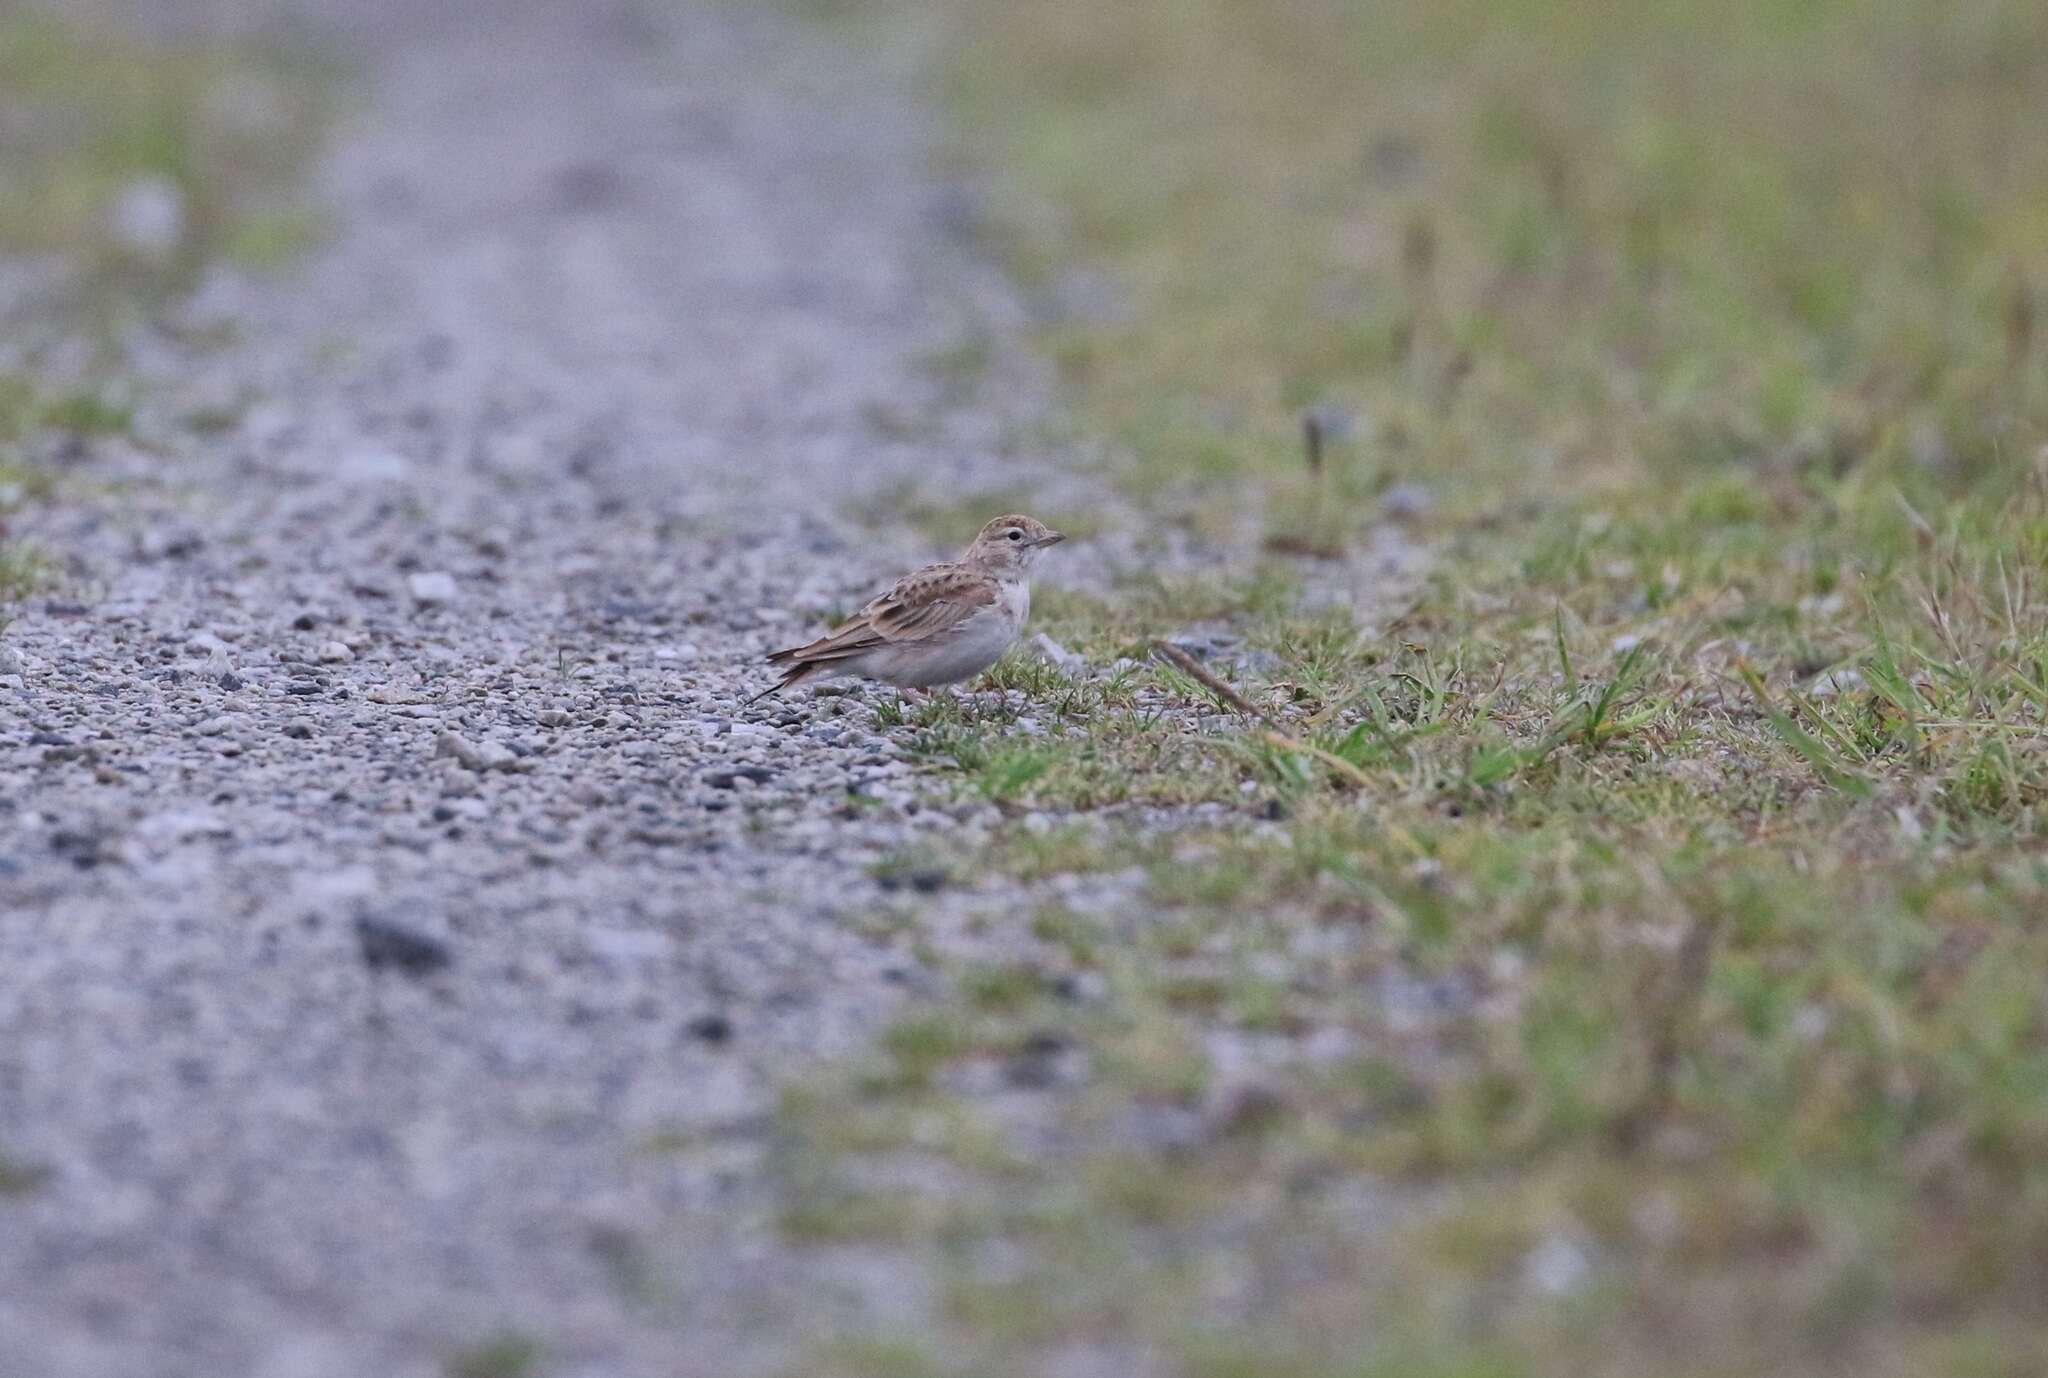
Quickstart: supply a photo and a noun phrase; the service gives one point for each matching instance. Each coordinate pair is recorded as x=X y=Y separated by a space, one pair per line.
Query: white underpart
x=975 y=644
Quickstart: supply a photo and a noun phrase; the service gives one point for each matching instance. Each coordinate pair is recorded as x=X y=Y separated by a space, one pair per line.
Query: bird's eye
x=1014 y=534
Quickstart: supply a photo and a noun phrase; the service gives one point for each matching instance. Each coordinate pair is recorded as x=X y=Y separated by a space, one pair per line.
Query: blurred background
x=139 y=145
x=1526 y=242
x=1596 y=244
x=1713 y=327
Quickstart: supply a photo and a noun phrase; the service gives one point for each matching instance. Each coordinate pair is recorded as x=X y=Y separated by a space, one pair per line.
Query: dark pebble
x=387 y=944
x=1036 y=1065
x=725 y=779
x=83 y=850
x=925 y=880
x=712 y=1028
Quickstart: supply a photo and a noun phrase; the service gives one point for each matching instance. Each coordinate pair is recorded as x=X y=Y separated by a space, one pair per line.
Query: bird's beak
x=1050 y=538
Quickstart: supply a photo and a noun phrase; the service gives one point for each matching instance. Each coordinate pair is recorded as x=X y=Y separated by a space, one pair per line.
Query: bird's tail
x=790 y=680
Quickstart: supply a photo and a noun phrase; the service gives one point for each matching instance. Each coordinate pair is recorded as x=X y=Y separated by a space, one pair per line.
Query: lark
x=939 y=625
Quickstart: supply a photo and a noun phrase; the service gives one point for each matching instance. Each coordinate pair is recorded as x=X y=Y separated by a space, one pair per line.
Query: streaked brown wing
x=850 y=637
x=920 y=605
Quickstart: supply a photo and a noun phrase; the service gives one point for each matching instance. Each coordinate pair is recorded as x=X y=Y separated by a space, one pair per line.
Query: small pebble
x=395 y=946
x=1407 y=502
x=461 y=748
x=1056 y=655
x=477 y=756
x=147 y=216
x=711 y=1028
x=730 y=779
x=431 y=587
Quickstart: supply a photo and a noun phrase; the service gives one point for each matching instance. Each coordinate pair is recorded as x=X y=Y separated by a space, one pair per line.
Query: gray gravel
x=386 y=867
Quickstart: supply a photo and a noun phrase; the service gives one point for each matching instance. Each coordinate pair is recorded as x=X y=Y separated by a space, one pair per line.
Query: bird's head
x=1012 y=544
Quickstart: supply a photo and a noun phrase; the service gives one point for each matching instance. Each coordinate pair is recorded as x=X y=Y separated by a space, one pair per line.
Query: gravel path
x=385 y=865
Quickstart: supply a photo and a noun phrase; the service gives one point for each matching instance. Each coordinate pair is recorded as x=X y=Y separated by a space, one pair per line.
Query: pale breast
x=976 y=644
x=1015 y=599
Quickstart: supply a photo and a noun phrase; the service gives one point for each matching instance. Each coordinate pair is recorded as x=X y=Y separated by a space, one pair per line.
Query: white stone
x=1055 y=655
x=1557 y=1266
x=432 y=587
x=626 y=947
x=373 y=466
x=147 y=217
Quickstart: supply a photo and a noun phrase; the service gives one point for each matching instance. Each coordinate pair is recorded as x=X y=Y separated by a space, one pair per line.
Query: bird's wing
x=928 y=605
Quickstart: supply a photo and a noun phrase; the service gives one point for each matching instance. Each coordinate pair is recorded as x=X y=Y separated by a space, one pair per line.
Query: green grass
x=1537 y=249
x=30 y=414
x=1789 y=1106
x=22 y=570
x=19 y=1178
x=21 y=567
x=508 y=1355
x=1632 y=932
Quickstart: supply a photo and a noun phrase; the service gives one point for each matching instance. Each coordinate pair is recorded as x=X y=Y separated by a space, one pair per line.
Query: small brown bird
x=939 y=625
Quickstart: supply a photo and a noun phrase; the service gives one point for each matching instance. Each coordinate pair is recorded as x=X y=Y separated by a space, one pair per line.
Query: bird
x=934 y=626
